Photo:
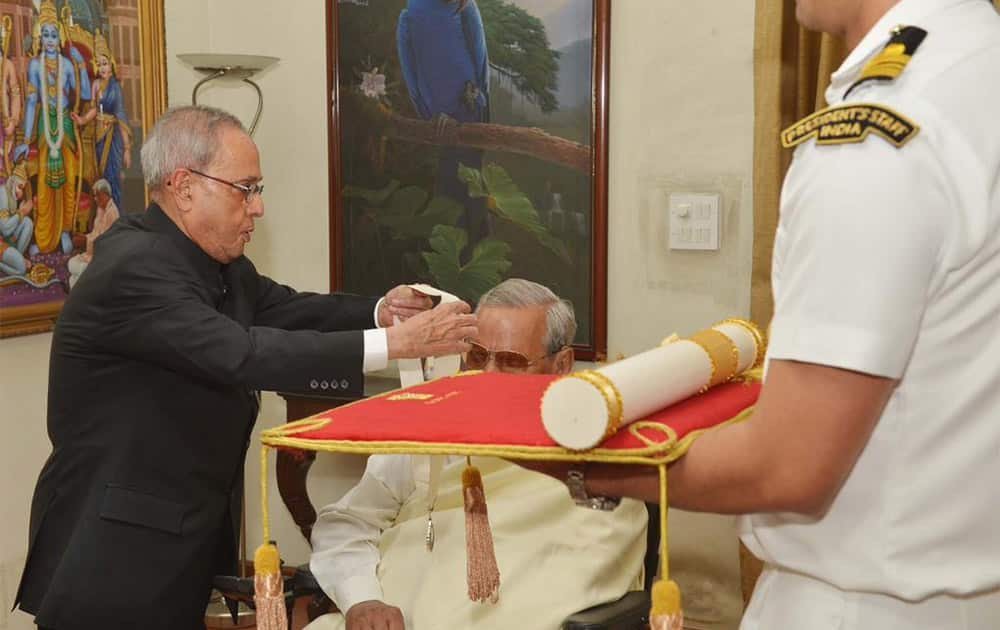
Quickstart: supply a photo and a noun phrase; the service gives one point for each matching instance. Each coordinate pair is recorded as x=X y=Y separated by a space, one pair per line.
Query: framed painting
x=81 y=81
x=468 y=144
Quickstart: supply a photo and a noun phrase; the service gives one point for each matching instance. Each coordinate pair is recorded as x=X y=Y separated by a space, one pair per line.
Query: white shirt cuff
x=356 y=590
x=376 y=355
x=375 y=314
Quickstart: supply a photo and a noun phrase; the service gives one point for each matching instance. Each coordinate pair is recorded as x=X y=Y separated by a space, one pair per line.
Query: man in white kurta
x=555 y=557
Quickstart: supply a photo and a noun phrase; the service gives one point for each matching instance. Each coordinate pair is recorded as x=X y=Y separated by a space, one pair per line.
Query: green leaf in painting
x=443 y=263
x=406 y=222
x=509 y=203
x=490 y=259
x=373 y=197
x=400 y=210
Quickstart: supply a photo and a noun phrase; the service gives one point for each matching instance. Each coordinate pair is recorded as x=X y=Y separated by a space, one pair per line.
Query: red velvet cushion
x=499 y=410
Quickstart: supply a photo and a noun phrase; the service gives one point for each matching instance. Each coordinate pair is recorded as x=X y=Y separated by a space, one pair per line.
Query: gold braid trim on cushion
x=647 y=455
x=612 y=397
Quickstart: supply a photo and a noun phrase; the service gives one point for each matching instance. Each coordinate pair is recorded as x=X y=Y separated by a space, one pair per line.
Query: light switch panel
x=694 y=221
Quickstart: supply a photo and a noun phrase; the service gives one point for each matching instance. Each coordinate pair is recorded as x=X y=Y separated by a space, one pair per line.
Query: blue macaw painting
x=441 y=107
x=443 y=58
x=445 y=65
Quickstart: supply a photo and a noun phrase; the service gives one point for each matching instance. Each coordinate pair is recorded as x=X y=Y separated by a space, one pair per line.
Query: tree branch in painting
x=510 y=139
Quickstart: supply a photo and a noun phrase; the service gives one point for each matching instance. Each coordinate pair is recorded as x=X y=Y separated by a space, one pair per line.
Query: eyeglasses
x=249 y=191
x=479 y=356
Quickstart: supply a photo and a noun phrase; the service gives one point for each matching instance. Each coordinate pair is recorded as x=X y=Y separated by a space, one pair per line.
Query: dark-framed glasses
x=249 y=190
x=479 y=356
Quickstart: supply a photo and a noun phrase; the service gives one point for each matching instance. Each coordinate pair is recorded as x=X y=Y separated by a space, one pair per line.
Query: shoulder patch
x=849 y=123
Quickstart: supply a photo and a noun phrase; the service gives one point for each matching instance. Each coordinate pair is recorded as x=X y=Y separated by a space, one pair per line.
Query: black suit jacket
x=155 y=365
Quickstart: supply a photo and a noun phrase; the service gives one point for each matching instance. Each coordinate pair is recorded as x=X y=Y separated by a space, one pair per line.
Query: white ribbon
x=411 y=372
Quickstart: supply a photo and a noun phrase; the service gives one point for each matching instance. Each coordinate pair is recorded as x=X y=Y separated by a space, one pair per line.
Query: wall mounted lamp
x=241 y=67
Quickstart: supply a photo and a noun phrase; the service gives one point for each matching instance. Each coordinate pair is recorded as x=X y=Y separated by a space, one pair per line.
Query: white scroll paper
x=580 y=410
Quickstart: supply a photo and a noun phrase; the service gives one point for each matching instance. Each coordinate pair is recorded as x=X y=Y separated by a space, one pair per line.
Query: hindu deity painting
x=74 y=109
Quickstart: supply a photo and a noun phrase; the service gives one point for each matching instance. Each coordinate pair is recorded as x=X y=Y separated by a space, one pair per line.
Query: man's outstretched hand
x=439 y=332
x=402 y=302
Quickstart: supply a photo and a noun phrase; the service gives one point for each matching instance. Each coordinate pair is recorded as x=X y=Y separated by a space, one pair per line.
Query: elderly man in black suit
x=156 y=362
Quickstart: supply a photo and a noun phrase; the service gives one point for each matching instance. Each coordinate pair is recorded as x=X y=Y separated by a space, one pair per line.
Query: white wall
x=23 y=450
x=681 y=120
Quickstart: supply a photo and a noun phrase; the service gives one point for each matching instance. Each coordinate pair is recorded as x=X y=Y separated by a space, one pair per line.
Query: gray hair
x=101 y=185
x=184 y=137
x=517 y=292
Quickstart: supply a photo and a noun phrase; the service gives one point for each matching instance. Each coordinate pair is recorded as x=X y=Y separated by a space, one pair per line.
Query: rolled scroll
x=582 y=409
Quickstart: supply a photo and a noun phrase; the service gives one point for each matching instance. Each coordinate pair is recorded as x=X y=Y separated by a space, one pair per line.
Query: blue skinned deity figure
x=442 y=52
x=114 y=136
x=52 y=80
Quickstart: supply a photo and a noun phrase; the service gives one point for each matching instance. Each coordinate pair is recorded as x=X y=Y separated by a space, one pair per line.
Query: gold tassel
x=269 y=589
x=268 y=584
x=666 y=612
x=481 y=561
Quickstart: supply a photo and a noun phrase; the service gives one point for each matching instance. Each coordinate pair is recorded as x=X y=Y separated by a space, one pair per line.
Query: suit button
x=344 y=384
x=334 y=384
x=325 y=385
x=314 y=384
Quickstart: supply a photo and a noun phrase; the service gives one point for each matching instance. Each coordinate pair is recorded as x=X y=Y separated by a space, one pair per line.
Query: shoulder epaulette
x=890 y=62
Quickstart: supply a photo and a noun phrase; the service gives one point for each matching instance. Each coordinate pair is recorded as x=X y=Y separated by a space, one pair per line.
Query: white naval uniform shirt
x=887 y=262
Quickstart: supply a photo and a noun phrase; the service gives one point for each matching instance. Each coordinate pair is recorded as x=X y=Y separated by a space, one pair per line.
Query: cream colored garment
x=555 y=558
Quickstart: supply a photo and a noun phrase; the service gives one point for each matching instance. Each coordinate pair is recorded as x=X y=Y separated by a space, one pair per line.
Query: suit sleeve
x=156 y=314
x=279 y=306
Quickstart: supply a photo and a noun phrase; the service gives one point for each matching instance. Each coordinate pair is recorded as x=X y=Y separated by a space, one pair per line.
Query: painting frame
x=595 y=346
x=150 y=47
